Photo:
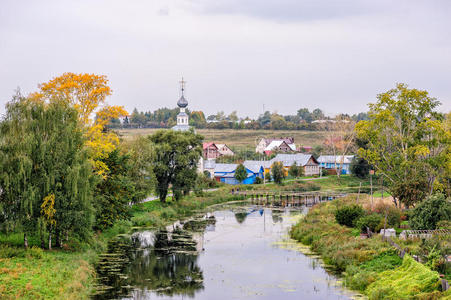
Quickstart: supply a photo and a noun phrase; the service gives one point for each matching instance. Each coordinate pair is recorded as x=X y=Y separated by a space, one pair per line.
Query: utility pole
x=371 y=183
x=386 y=212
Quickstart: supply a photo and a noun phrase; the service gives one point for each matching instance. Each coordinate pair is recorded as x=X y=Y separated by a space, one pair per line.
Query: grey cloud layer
x=235 y=54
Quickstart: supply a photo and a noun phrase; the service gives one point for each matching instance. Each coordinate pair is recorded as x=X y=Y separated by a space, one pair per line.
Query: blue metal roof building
x=226 y=173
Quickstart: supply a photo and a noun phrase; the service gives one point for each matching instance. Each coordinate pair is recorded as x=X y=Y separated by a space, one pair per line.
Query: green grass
x=411 y=279
x=54 y=275
x=244 y=138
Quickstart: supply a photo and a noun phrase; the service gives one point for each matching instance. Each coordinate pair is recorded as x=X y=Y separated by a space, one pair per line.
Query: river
x=234 y=252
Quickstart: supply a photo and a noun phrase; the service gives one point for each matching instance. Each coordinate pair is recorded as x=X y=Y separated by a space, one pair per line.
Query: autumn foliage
x=87 y=94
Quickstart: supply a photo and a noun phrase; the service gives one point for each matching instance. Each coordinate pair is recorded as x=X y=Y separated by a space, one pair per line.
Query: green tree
x=268 y=177
x=141 y=153
x=175 y=152
x=295 y=171
x=45 y=174
x=405 y=138
x=305 y=115
x=116 y=191
x=184 y=181
x=240 y=173
x=278 y=172
x=317 y=114
x=428 y=213
x=359 y=167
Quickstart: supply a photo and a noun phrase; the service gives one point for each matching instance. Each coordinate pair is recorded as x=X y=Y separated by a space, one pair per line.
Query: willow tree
x=176 y=153
x=45 y=176
x=141 y=153
x=406 y=142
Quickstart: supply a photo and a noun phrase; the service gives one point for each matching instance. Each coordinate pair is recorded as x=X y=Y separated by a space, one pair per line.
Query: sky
x=243 y=55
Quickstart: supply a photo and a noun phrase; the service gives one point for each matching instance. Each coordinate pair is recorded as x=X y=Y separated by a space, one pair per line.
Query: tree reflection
x=240 y=217
x=169 y=269
x=276 y=217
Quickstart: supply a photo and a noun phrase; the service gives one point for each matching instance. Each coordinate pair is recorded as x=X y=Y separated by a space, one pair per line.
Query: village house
x=266 y=164
x=268 y=146
x=212 y=150
x=224 y=150
x=209 y=166
x=307 y=161
x=226 y=173
x=333 y=162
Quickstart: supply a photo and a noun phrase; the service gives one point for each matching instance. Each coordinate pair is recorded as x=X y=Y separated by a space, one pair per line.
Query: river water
x=234 y=252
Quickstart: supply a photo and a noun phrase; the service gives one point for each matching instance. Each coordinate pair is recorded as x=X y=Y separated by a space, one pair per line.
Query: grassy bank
x=69 y=274
x=370 y=265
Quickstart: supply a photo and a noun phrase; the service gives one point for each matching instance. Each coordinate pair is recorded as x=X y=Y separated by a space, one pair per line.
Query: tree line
x=64 y=175
x=166 y=118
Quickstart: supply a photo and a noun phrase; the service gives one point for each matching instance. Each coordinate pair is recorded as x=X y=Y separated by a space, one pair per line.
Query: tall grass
x=363 y=262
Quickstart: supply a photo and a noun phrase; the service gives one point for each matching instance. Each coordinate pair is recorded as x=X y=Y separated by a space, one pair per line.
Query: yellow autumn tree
x=87 y=94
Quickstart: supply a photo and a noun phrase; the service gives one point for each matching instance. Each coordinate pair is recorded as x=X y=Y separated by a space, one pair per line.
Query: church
x=182 y=117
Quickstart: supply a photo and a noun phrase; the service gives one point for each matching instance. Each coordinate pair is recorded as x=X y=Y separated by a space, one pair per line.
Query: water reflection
x=236 y=252
x=240 y=217
x=167 y=265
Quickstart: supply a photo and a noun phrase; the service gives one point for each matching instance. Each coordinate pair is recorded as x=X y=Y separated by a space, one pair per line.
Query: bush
x=393 y=214
x=371 y=221
x=35 y=252
x=431 y=211
x=258 y=180
x=348 y=215
x=359 y=167
x=9 y=252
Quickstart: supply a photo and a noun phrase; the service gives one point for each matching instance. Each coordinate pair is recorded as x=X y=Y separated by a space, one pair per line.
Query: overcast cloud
x=234 y=54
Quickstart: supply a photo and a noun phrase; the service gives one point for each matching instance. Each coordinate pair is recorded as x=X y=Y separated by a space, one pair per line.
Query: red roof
x=207 y=145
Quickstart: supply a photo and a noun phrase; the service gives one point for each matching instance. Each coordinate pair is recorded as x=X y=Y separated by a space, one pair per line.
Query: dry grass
x=243 y=138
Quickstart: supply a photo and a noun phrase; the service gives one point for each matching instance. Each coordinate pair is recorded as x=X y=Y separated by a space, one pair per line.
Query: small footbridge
x=288 y=198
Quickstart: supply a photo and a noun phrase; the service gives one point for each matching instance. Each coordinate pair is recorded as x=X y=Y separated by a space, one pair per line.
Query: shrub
x=393 y=214
x=35 y=252
x=431 y=211
x=258 y=180
x=9 y=252
x=348 y=215
x=371 y=221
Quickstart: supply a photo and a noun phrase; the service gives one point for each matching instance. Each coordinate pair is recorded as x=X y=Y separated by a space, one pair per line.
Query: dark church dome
x=182 y=103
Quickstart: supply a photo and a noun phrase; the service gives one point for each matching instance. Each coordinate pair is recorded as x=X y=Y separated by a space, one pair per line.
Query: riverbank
x=26 y=275
x=69 y=273
x=371 y=265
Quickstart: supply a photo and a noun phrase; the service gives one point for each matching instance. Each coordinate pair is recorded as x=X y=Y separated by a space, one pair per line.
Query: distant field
x=243 y=138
